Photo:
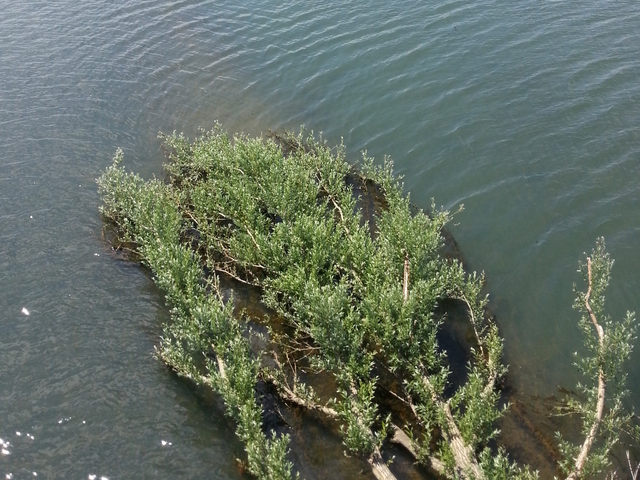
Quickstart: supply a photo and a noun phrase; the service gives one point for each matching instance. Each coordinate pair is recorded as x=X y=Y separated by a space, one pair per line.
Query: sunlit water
x=527 y=112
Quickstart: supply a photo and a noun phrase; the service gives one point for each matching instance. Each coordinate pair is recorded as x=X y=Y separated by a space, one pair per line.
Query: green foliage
x=604 y=360
x=291 y=225
x=147 y=214
x=357 y=295
x=497 y=466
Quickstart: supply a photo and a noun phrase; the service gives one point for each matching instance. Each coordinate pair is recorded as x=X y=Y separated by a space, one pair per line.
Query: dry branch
x=473 y=323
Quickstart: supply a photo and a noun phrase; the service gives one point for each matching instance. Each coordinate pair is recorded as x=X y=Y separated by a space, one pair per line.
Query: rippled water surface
x=527 y=112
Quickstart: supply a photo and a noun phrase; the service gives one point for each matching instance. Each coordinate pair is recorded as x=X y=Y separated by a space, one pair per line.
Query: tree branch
x=634 y=473
x=473 y=323
x=399 y=437
x=464 y=457
x=466 y=463
x=378 y=466
x=602 y=385
x=405 y=287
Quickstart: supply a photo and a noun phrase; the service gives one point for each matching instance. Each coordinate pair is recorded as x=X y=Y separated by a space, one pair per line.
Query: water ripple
x=527 y=112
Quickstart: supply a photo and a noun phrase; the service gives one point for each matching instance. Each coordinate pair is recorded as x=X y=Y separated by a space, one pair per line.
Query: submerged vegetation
x=352 y=295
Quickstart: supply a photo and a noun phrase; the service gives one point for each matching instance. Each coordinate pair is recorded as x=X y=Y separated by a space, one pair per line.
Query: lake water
x=527 y=112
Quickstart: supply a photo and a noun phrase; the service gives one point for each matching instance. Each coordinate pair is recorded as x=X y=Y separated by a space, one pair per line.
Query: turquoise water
x=526 y=112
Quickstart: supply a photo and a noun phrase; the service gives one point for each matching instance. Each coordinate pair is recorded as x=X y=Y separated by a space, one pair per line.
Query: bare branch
x=221 y=367
x=405 y=288
x=333 y=201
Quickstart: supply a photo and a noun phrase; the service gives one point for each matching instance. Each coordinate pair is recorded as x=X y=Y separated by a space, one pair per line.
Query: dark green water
x=527 y=112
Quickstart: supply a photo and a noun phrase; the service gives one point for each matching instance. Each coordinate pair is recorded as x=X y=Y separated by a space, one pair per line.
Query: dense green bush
x=358 y=296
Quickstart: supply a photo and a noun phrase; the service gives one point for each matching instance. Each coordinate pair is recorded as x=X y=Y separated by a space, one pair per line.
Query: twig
x=473 y=323
x=335 y=204
x=189 y=214
x=221 y=368
x=405 y=286
x=235 y=277
x=407 y=399
x=634 y=473
x=252 y=238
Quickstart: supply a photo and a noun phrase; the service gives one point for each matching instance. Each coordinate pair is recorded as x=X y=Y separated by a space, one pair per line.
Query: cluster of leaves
x=609 y=344
x=204 y=341
x=357 y=297
x=290 y=224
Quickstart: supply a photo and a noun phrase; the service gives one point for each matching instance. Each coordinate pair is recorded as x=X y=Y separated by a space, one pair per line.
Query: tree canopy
x=351 y=294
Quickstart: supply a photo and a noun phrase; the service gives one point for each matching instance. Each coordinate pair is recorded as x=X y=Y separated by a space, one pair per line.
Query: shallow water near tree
x=525 y=112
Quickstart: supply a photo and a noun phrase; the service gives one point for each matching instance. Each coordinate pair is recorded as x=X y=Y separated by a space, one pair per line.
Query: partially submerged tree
x=355 y=296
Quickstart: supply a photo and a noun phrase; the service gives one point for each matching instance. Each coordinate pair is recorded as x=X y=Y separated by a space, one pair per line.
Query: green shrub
x=358 y=295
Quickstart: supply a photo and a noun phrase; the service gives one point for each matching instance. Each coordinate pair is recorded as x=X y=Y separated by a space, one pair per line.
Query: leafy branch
x=609 y=348
x=355 y=293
